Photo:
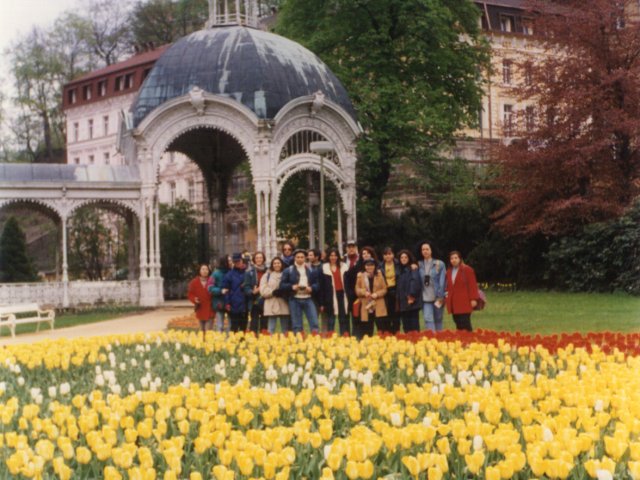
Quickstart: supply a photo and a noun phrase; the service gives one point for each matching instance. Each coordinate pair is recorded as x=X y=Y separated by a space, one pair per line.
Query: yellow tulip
x=327 y=474
x=352 y=470
x=492 y=473
x=110 y=473
x=634 y=470
x=365 y=469
x=245 y=463
x=443 y=446
x=411 y=463
x=475 y=461
x=325 y=428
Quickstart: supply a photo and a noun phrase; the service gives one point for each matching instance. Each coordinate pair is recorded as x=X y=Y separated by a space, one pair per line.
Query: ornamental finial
x=224 y=13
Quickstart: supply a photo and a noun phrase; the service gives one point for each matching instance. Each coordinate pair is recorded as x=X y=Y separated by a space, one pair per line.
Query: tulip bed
x=170 y=405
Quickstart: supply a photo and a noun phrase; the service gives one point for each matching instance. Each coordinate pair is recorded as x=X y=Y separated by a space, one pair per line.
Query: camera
x=427 y=280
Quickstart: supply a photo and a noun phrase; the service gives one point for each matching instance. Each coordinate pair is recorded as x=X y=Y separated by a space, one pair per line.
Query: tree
x=15 y=265
x=93 y=251
x=579 y=164
x=411 y=69
x=108 y=29
x=178 y=240
x=158 y=22
x=36 y=70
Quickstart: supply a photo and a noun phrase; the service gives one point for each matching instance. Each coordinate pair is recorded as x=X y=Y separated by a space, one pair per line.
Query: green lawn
x=552 y=312
x=72 y=319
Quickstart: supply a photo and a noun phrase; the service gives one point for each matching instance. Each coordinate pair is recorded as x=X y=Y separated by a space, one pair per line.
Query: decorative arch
x=299 y=143
x=50 y=207
x=318 y=114
x=109 y=204
x=310 y=162
x=197 y=109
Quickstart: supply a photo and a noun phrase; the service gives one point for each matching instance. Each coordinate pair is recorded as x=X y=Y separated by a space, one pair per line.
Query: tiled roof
x=134 y=61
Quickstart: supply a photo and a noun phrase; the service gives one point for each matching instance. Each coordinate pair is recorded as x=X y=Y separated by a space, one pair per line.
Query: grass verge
x=75 y=317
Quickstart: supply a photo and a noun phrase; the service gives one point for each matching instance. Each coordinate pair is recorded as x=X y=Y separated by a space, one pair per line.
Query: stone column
x=143 y=242
x=339 y=219
x=134 y=234
x=65 y=263
x=158 y=262
x=270 y=247
x=259 y=217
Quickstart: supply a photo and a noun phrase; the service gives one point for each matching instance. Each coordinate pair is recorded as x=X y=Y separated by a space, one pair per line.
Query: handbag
x=481 y=302
x=355 y=309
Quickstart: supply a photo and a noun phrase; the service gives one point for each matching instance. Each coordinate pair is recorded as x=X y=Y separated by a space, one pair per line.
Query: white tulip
x=477 y=443
x=602 y=474
x=396 y=419
x=53 y=391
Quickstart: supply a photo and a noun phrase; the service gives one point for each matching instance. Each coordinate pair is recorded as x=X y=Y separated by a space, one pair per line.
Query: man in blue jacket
x=300 y=282
x=234 y=295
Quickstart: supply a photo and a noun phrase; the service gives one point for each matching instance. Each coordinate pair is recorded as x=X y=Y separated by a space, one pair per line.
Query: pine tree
x=15 y=265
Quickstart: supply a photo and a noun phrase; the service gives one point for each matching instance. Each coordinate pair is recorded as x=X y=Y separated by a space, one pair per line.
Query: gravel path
x=151 y=321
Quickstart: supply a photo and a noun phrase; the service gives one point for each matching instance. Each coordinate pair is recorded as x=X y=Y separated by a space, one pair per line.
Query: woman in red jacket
x=462 y=291
x=199 y=295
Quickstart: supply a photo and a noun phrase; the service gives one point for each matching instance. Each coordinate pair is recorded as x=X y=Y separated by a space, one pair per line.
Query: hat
x=369 y=261
x=236 y=257
x=351 y=242
x=299 y=250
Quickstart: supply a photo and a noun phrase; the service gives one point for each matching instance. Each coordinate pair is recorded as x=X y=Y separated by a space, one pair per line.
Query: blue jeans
x=284 y=324
x=432 y=316
x=299 y=305
x=220 y=322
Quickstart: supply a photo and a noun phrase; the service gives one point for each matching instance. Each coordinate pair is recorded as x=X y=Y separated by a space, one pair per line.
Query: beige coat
x=273 y=306
x=379 y=289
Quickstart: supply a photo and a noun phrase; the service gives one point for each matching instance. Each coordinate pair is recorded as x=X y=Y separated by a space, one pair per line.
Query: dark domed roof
x=261 y=70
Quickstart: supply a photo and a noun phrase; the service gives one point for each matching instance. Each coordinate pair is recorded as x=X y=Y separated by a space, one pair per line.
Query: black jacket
x=408 y=284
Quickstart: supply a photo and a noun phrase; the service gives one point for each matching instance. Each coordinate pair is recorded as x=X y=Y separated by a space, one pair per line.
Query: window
x=527 y=26
x=90 y=125
x=172 y=193
x=530 y=118
x=507 y=120
x=119 y=83
x=92 y=159
x=145 y=74
x=107 y=158
x=105 y=124
x=76 y=161
x=128 y=80
x=192 y=191
x=86 y=92
x=506 y=72
x=507 y=23
x=71 y=96
x=76 y=131
x=102 y=88
x=528 y=74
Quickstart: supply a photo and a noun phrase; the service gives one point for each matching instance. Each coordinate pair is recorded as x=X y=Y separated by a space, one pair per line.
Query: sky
x=16 y=19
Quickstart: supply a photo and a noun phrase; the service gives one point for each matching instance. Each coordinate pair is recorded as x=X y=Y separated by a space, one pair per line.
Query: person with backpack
x=252 y=292
x=215 y=289
x=234 y=294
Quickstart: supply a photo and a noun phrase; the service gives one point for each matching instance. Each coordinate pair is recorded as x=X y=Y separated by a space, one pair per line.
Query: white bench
x=33 y=314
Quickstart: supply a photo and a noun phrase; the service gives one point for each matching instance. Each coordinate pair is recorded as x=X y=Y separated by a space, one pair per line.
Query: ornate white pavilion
x=224 y=95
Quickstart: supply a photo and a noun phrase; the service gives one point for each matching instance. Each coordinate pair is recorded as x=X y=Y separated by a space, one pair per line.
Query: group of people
x=355 y=292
